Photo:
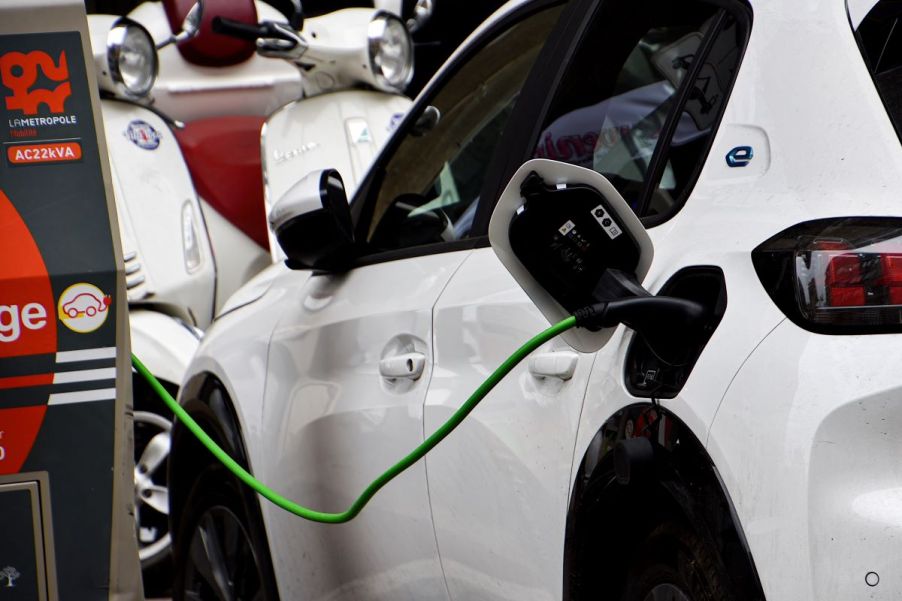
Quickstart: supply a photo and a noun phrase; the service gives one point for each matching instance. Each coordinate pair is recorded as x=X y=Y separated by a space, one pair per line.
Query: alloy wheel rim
x=221 y=563
x=152 y=443
x=666 y=592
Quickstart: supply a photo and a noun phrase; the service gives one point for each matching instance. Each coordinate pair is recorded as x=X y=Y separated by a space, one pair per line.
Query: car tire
x=675 y=564
x=220 y=550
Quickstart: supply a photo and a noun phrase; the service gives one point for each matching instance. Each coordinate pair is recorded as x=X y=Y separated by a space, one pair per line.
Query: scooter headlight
x=132 y=58
x=391 y=52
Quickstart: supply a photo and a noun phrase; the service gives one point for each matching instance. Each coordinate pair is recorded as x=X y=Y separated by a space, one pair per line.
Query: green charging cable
x=395 y=470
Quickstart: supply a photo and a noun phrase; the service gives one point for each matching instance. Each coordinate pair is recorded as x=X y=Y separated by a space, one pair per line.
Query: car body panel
x=235 y=351
x=824 y=417
x=329 y=408
x=858 y=9
x=501 y=480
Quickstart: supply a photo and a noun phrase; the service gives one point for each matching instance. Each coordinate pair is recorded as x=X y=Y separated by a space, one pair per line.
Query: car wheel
x=152 y=431
x=152 y=437
x=219 y=555
x=674 y=564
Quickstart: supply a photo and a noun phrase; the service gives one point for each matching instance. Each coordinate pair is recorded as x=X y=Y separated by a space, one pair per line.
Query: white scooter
x=169 y=266
x=225 y=85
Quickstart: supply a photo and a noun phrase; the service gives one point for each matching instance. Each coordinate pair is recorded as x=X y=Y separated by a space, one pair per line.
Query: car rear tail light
x=836 y=276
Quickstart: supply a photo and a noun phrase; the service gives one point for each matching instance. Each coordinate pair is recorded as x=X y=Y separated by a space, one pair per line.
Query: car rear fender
x=679 y=482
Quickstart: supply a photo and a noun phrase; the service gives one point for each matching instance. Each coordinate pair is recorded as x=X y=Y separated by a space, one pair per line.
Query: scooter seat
x=223 y=156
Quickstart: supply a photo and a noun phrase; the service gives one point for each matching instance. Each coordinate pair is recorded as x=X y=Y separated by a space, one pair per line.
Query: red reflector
x=892 y=269
x=848 y=274
x=843 y=270
x=852 y=296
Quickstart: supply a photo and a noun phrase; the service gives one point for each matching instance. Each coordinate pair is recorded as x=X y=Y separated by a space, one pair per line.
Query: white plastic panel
x=562 y=173
x=153 y=187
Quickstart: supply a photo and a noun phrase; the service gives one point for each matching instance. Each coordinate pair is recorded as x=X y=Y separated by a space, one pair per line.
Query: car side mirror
x=312 y=222
x=410 y=220
x=570 y=240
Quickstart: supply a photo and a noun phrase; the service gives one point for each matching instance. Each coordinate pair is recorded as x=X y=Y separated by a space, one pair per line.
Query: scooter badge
x=143 y=135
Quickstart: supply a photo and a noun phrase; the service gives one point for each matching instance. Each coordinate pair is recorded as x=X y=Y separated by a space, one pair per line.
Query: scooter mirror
x=312 y=222
x=191 y=24
x=296 y=16
x=422 y=12
x=559 y=229
x=426 y=122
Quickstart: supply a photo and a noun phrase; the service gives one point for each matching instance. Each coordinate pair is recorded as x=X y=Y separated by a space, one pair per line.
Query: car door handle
x=560 y=365
x=408 y=365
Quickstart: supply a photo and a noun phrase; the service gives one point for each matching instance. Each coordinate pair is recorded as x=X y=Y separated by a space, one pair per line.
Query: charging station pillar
x=67 y=527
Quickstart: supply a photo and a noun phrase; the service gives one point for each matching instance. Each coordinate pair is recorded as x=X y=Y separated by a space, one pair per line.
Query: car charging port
x=650 y=374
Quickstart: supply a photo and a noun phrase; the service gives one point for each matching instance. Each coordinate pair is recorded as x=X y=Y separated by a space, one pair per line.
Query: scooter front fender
x=343 y=130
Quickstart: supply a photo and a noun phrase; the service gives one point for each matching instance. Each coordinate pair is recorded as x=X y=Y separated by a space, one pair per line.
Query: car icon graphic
x=86 y=304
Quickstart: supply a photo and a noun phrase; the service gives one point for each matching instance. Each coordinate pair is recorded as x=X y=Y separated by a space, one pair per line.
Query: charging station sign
x=58 y=328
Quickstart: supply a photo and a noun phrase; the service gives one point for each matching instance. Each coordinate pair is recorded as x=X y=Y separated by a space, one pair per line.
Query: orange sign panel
x=48 y=152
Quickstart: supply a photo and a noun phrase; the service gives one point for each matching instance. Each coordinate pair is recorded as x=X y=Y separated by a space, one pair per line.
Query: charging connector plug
x=669 y=325
x=592 y=317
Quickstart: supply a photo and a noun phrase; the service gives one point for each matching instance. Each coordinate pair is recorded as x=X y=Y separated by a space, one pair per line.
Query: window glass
x=880 y=39
x=432 y=182
x=620 y=89
x=708 y=90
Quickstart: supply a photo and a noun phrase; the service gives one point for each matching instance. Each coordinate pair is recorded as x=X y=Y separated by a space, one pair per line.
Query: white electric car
x=758 y=142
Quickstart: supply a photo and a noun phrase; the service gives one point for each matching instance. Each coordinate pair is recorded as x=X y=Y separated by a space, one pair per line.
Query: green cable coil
x=418 y=453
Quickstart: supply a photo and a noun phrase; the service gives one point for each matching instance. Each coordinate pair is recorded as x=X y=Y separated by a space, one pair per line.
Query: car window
x=432 y=182
x=610 y=115
x=880 y=39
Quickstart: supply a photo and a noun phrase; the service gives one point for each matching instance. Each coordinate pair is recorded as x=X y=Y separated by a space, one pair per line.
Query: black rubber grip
x=237 y=29
x=592 y=316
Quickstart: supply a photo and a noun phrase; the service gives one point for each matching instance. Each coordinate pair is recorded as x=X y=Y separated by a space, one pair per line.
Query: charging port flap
x=558 y=228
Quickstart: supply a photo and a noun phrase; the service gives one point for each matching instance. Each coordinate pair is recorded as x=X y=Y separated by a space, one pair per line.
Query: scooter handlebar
x=237 y=29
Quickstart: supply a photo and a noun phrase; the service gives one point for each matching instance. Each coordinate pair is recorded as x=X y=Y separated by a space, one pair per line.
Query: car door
x=351 y=360
x=643 y=116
